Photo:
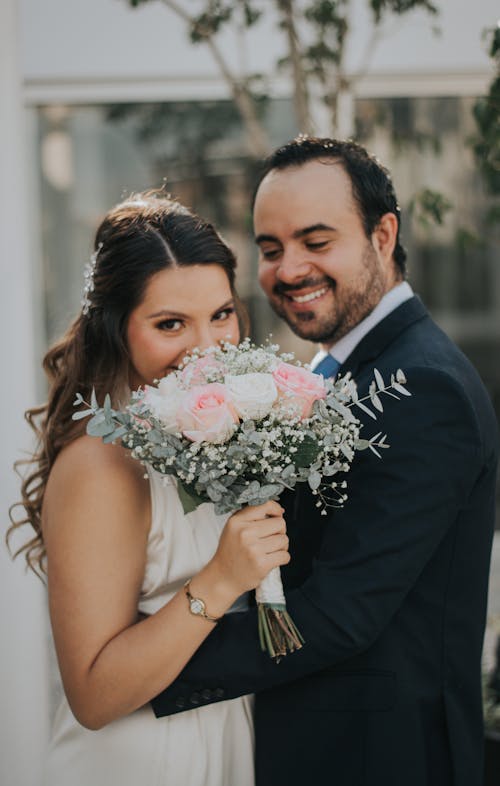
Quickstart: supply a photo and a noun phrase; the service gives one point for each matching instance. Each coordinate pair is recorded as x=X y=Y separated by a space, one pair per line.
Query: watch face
x=197 y=606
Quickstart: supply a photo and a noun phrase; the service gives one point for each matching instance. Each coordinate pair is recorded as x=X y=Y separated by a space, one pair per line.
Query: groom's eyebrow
x=297 y=234
x=313 y=228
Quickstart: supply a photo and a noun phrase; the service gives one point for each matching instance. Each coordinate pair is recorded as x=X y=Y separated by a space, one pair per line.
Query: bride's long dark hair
x=141 y=236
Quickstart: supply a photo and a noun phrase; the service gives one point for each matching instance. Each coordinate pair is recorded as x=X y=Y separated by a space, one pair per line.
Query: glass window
x=93 y=156
x=426 y=143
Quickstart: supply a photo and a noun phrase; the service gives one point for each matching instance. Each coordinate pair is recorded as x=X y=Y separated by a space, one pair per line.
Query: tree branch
x=300 y=92
x=257 y=140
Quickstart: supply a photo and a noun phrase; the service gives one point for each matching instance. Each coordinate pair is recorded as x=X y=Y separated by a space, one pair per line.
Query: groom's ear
x=384 y=237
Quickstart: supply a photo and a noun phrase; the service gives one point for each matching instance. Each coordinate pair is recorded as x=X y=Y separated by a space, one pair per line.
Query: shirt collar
x=343 y=348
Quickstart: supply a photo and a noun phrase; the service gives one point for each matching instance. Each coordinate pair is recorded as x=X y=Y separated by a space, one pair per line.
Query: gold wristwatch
x=197 y=605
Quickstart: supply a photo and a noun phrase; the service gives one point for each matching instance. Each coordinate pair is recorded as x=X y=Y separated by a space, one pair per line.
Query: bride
x=121 y=558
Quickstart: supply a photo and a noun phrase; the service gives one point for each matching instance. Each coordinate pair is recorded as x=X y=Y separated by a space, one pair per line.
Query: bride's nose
x=205 y=337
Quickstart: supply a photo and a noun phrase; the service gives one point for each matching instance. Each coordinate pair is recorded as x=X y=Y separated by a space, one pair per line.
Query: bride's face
x=182 y=308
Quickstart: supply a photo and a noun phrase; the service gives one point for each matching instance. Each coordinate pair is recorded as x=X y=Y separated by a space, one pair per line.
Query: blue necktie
x=328 y=367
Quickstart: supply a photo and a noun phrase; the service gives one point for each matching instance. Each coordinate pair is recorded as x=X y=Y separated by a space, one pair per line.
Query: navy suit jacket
x=389 y=592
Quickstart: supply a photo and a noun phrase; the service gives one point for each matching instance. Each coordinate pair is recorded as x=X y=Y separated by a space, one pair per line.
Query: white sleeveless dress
x=211 y=745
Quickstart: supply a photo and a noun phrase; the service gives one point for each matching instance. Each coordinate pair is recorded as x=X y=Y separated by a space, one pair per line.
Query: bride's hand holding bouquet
x=236 y=425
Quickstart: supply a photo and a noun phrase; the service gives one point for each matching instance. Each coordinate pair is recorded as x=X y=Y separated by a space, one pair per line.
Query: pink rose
x=299 y=386
x=197 y=372
x=207 y=414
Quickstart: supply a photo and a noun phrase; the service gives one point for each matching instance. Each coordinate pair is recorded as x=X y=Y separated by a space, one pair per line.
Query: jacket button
x=206 y=694
x=180 y=702
x=219 y=693
x=195 y=698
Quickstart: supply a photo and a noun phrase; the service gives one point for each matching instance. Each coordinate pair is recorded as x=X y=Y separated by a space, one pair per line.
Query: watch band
x=197 y=605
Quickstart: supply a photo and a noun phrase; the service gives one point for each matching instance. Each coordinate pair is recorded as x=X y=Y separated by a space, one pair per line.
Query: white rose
x=253 y=395
x=164 y=402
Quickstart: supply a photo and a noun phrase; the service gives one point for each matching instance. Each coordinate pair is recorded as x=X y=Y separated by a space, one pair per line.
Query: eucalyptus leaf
x=155 y=436
x=376 y=402
x=162 y=451
x=379 y=379
x=190 y=500
x=344 y=411
x=83 y=413
x=116 y=434
x=270 y=490
x=288 y=471
x=107 y=404
x=306 y=452
x=256 y=437
x=347 y=451
x=320 y=408
x=401 y=389
x=314 y=480
x=366 y=409
x=99 y=428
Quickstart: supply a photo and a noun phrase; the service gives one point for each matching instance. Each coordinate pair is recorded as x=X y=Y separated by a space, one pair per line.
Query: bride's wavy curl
x=141 y=236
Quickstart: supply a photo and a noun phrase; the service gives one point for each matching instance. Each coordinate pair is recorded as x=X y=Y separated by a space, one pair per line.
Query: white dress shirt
x=343 y=348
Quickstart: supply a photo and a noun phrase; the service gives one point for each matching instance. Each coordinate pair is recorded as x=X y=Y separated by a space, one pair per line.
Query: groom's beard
x=343 y=309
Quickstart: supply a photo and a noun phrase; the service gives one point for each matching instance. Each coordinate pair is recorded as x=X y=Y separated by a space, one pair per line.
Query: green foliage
x=379 y=7
x=328 y=29
x=429 y=207
x=211 y=20
x=329 y=22
x=486 y=145
x=491 y=694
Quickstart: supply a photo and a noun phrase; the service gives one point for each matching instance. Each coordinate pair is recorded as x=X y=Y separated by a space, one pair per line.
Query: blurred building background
x=99 y=100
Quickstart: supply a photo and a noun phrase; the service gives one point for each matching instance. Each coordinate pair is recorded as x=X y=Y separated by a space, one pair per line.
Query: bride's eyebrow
x=167 y=314
x=227 y=304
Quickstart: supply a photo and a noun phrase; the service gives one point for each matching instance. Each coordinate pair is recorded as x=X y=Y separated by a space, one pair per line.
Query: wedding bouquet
x=236 y=425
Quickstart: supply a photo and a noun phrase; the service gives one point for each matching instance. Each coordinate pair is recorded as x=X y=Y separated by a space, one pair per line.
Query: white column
x=23 y=649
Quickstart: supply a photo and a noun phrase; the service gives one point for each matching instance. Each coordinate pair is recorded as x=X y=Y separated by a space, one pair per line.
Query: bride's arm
x=96 y=523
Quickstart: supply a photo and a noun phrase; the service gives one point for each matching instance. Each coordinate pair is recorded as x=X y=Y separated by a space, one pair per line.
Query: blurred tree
x=315 y=32
x=487 y=114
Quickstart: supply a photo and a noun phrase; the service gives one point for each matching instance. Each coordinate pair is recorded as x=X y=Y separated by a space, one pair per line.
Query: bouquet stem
x=278 y=633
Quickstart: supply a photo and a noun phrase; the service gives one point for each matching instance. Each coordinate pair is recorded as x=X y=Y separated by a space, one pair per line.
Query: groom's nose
x=293 y=266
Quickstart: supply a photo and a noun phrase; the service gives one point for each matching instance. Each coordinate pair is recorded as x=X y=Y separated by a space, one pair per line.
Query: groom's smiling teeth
x=310 y=296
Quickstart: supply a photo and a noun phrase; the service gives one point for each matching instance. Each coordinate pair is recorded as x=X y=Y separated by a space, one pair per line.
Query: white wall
x=23 y=658
x=67 y=41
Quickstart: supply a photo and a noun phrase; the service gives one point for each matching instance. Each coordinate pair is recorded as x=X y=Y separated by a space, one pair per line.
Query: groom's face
x=316 y=265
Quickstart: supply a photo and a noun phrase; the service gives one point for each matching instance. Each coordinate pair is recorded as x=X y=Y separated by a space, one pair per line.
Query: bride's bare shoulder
x=88 y=461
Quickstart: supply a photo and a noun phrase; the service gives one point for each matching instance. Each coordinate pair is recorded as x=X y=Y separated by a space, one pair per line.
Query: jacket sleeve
x=373 y=550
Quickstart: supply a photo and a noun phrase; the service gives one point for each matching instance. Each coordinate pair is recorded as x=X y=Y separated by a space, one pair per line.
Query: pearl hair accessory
x=88 y=286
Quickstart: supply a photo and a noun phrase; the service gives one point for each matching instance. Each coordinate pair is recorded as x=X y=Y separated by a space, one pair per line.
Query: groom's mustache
x=281 y=288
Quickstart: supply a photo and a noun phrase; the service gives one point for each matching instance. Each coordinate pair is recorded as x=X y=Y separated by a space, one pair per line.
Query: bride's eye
x=221 y=316
x=169 y=325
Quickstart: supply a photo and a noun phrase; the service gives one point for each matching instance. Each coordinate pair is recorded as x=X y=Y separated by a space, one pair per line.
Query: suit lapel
x=383 y=334
x=300 y=504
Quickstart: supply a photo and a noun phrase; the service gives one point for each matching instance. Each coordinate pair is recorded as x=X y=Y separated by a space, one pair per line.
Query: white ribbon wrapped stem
x=270 y=590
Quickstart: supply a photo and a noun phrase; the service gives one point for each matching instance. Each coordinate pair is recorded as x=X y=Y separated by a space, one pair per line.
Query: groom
x=390 y=591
